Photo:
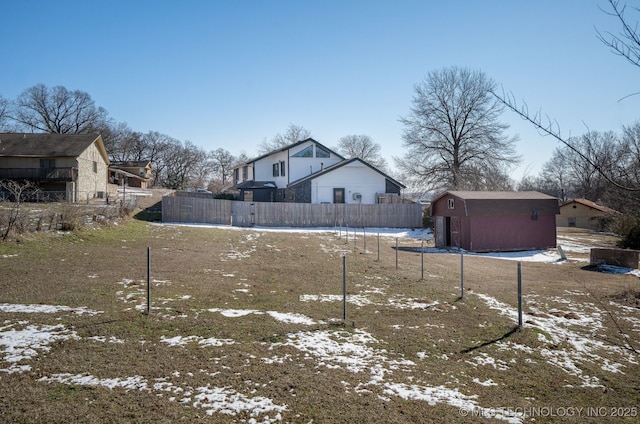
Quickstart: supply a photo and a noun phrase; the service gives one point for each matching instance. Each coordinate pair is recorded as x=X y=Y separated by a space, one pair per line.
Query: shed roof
x=502 y=203
x=498 y=195
x=45 y=145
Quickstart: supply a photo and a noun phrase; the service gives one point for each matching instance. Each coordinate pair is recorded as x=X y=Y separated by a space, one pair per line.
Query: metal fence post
x=148 y=280
x=344 y=287
x=396 y=253
x=422 y=259
x=461 y=275
x=519 y=294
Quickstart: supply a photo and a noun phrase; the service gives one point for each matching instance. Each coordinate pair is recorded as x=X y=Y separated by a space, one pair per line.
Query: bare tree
x=4 y=113
x=121 y=142
x=629 y=155
x=293 y=134
x=17 y=192
x=181 y=165
x=363 y=147
x=57 y=110
x=453 y=133
x=626 y=42
x=222 y=163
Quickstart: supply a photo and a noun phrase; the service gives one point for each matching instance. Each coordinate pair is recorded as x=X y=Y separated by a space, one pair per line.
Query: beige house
x=136 y=173
x=72 y=167
x=583 y=213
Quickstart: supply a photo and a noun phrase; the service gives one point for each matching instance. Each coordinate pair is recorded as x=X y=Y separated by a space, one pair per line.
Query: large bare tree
x=4 y=113
x=293 y=134
x=57 y=110
x=453 y=134
x=222 y=167
x=626 y=42
x=363 y=147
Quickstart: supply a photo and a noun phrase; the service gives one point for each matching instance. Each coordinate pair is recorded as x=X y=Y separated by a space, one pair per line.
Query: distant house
x=583 y=213
x=308 y=172
x=136 y=173
x=71 y=167
x=495 y=220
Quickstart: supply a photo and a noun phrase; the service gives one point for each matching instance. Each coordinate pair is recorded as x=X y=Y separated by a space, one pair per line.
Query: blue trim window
x=322 y=153
x=307 y=152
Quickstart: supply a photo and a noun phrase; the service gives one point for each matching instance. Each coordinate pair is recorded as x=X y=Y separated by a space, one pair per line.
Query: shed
x=495 y=220
x=583 y=213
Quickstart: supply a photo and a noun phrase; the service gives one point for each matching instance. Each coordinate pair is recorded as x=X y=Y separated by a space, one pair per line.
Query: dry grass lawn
x=246 y=326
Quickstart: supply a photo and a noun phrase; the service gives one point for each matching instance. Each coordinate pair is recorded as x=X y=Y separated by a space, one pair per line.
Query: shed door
x=455 y=231
x=441 y=232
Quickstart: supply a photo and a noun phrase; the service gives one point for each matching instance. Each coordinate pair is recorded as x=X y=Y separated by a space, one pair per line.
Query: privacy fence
x=197 y=209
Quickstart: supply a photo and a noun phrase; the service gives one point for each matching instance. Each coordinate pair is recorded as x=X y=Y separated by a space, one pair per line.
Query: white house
x=308 y=172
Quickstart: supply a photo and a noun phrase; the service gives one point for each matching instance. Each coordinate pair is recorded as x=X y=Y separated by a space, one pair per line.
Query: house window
x=282 y=168
x=47 y=163
x=248 y=196
x=571 y=222
x=322 y=153
x=338 y=195
x=534 y=215
x=307 y=152
x=245 y=173
x=95 y=167
x=276 y=169
x=450 y=203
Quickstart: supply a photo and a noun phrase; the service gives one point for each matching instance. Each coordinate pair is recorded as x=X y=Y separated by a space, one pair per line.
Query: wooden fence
x=245 y=214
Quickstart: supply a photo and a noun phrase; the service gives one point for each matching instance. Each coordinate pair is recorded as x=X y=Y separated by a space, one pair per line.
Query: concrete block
x=626 y=258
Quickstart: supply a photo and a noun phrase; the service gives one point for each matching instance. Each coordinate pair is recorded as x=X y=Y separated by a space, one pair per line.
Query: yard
x=246 y=326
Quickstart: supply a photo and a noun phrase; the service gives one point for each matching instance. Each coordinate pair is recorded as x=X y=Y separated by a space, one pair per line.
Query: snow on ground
x=23 y=344
x=418 y=233
x=354 y=351
x=567 y=348
x=44 y=309
x=567 y=243
x=213 y=400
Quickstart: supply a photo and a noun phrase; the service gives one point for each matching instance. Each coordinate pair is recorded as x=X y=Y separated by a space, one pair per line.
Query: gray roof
x=341 y=164
x=130 y=163
x=290 y=146
x=44 y=145
x=498 y=203
x=499 y=195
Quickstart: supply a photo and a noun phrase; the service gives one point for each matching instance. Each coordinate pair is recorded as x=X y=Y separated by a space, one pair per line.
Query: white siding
x=295 y=167
x=354 y=178
x=264 y=169
x=302 y=167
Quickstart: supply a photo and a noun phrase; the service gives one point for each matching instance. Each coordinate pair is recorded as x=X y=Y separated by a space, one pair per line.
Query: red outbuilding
x=495 y=220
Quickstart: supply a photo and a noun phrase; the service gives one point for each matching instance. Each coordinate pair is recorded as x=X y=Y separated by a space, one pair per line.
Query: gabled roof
x=45 y=145
x=291 y=146
x=495 y=195
x=592 y=205
x=500 y=203
x=340 y=164
x=130 y=163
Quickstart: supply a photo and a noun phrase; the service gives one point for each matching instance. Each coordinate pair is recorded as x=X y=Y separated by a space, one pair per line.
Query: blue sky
x=232 y=73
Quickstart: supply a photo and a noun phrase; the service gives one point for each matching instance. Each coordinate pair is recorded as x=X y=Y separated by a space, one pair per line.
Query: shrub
x=628 y=228
x=427 y=219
